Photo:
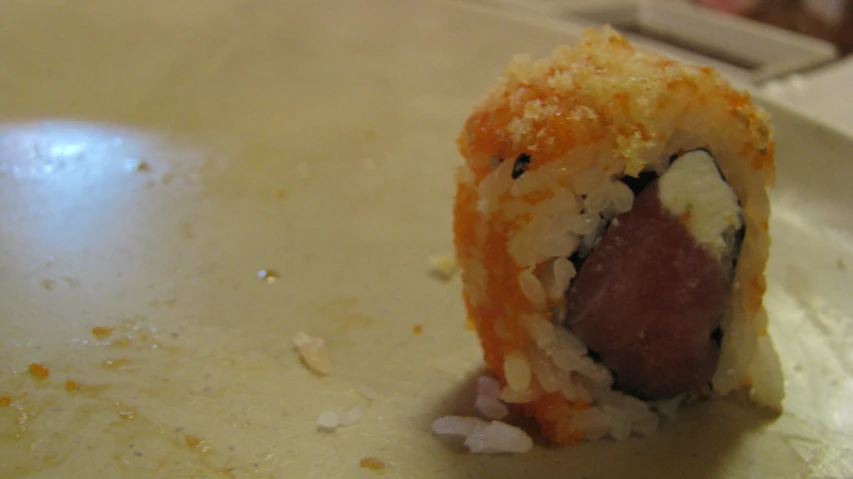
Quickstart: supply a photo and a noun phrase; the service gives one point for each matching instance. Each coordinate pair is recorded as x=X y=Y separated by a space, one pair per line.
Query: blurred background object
x=830 y=20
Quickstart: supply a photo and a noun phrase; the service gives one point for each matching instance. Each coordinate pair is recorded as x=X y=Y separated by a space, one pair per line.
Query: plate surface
x=155 y=156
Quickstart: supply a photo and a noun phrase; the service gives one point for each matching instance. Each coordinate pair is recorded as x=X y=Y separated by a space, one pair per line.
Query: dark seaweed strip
x=638 y=183
x=520 y=165
x=717 y=335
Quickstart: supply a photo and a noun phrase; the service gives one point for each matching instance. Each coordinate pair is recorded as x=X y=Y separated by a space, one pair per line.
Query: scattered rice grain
x=482 y=437
x=443 y=266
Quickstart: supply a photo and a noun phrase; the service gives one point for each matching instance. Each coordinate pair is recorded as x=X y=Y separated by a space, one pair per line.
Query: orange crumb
x=470 y=325
x=70 y=385
x=281 y=194
x=574 y=437
x=5 y=401
x=418 y=328
x=38 y=370
x=127 y=414
x=102 y=332
x=193 y=441
x=372 y=463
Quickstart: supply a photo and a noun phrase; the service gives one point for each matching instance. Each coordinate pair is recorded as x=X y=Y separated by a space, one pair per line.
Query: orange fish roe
x=5 y=401
x=418 y=328
x=470 y=324
x=38 y=370
x=372 y=463
x=102 y=332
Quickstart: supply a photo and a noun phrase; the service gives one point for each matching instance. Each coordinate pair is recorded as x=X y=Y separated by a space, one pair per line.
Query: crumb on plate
x=5 y=401
x=332 y=419
x=418 y=328
x=39 y=370
x=443 y=266
x=268 y=275
x=102 y=332
x=371 y=462
x=313 y=353
x=70 y=385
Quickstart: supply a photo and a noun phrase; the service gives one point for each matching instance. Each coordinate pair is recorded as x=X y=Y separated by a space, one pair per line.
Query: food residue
x=268 y=275
x=5 y=401
x=470 y=325
x=372 y=463
x=418 y=328
x=489 y=436
x=484 y=437
x=488 y=401
x=313 y=353
x=134 y=165
x=443 y=266
x=127 y=414
x=38 y=370
x=331 y=420
x=193 y=441
x=102 y=332
x=70 y=385
x=281 y=194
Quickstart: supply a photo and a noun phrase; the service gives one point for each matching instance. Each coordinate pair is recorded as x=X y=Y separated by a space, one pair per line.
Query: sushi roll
x=611 y=226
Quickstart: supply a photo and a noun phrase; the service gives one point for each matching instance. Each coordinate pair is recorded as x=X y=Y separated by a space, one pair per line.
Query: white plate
x=154 y=156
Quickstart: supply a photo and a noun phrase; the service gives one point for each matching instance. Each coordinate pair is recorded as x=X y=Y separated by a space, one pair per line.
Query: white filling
x=692 y=188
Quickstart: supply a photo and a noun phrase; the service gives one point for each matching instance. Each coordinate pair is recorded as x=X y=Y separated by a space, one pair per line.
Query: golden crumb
x=602 y=91
x=102 y=332
x=5 y=401
x=443 y=266
x=38 y=370
x=418 y=328
x=313 y=353
x=470 y=324
x=193 y=441
x=372 y=463
x=70 y=385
